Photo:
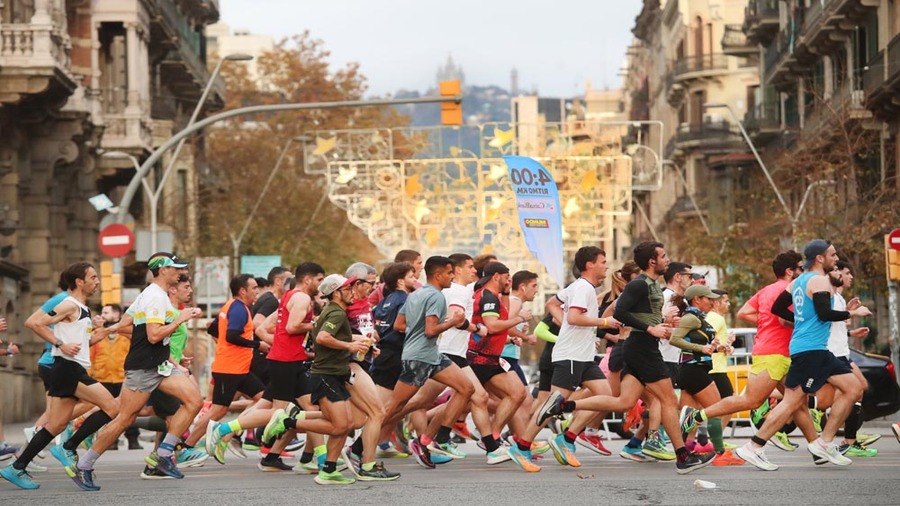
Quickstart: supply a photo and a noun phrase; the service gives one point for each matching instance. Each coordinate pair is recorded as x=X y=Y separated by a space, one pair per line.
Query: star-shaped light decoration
x=413 y=186
x=589 y=181
x=571 y=207
x=323 y=146
x=497 y=172
x=502 y=138
x=421 y=211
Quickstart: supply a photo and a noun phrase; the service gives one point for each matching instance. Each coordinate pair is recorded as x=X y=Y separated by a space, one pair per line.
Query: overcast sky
x=556 y=46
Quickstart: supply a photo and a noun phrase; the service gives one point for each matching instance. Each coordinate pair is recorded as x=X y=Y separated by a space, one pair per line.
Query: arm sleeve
x=822 y=303
x=634 y=291
x=238 y=316
x=780 y=307
x=688 y=323
x=542 y=331
x=265 y=307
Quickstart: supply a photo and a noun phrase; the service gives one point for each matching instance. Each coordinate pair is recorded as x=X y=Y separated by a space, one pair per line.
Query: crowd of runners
x=366 y=367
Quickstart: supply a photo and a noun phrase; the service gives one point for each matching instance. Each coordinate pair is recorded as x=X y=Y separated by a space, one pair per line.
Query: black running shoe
x=693 y=462
x=552 y=407
x=273 y=466
x=378 y=473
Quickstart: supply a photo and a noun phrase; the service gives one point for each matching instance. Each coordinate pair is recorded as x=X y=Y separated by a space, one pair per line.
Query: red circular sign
x=115 y=240
x=894 y=239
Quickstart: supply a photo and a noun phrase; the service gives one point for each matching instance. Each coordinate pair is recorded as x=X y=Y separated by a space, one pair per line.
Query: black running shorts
x=226 y=385
x=810 y=370
x=326 y=386
x=287 y=381
x=643 y=359
x=694 y=378
x=65 y=375
x=569 y=374
x=385 y=370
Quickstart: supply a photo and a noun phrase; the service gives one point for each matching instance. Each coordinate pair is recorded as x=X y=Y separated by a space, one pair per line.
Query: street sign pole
x=891 y=245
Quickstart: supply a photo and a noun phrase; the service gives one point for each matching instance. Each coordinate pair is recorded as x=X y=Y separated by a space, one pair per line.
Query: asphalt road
x=601 y=480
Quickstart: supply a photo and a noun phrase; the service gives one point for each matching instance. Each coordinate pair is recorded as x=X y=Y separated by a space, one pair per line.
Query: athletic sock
x=521 y=444
x=681 y=453
x=570 y=437
x=715 y=434
x=290 y=423
x=700 y=416
x=320 y=450
x=306 y=457
x=853 y=422
x=271 y=457
x=91 y=425
x=811 y=402
x=357 y=447
x=567 y=406
x=40 y=441
x=167 y=447
x=86 y=462
x=233 y=426
x=634 y=442
x=368 y=466
x=703 y=434
x=443 y=435
x=329 y=467
x=425 y=439
x=758 y=441
x=491 y=444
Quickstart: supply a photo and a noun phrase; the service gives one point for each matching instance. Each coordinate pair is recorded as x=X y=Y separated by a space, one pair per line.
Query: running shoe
x=311 y=467
x=653 y=447
x=65 y=457
x=817 y=418
x=551 y=408
x=18 y=478
x=498 y=456
x=34 y=467
x=593 y=442
x=780 y=440
x=896 y=428
x=275 y=428
x=707 y=448
x=214 y=445
x=522 y=459
x=462 y=430
x=634 y=454
x=335 y=478
x=236 y=447
x=378 y=473
x=447 y=449
x=150 y=473
x=352 y=460
x=6 y=451
x=29 y=433
x=867 y=439
x=190 y=457
x=727 y=458
x=829 y=451
x=693 y=462
x=755 y=456
x=165 y=465
x=387 y=451
x=857 y=449
x=729 y=446
x=564 y=451
x=250 y=443
x=84 y=478
x=758 y=415
x=688 y=424
x=440 y=459
x=539 y=447
x=400 y=444
x=272 y=466
x=294 y=445
x=421 y=454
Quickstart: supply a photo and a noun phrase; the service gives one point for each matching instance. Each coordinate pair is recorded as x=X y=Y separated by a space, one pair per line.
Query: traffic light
x=110 y=284
x=451 y=112
x=892 y=260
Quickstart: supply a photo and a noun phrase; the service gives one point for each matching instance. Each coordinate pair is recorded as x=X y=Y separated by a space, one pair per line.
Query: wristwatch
x=58 y=343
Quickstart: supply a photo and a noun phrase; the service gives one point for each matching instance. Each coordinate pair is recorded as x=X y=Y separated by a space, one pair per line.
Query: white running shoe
x=755 y=456
x=828 y=451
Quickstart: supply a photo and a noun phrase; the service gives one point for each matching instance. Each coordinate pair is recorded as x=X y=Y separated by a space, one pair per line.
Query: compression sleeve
x=688 y=323
x=634 y=291
x=781 y=306
x=822 y=303
x=542 y=331
x=234 y=337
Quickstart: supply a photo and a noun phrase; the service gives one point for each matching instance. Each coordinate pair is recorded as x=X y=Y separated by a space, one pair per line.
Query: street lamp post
x=690 y=195
x=237 y=239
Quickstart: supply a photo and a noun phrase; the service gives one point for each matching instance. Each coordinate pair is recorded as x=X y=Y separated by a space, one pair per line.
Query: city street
x=601 y=480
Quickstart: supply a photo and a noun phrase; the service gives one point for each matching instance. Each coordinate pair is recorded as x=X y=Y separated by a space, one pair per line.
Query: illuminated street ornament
x=537 y=199
x=589 y=181
x=497 y=172
x=323 y=146
x=572 y=207
x=502 y=138
x=345 y=174
x=421 y=211
x=413 y=187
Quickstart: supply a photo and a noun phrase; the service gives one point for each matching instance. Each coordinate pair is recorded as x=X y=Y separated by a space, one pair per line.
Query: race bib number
x=505 y=365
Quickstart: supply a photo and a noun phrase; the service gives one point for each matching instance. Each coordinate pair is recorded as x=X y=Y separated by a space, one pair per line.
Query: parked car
x=882 y=398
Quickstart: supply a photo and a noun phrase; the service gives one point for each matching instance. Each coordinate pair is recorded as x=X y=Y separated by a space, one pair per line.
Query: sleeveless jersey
x=810 y=333
x=288 y=347
x=77 y=332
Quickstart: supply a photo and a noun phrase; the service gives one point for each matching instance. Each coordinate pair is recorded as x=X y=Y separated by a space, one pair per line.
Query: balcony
x=846 y=104
x=761 y=21
x=735 y=42
x=34 y=59
x=689 y=69
x=183 y=64
x=881 y=81
x=709 y=137
x=763 y=122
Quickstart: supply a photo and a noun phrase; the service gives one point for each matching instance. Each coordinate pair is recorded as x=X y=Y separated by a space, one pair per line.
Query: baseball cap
x=699 y=275
x=334 y=282
x=813 y=249
x=699 y=291
x=490 y=269
x=163 y=259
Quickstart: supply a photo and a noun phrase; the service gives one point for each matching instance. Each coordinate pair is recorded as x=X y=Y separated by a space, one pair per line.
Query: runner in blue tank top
x=812 y=365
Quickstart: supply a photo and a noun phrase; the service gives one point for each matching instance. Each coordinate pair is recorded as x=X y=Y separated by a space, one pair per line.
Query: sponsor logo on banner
x=536 y=223
x=537 y=206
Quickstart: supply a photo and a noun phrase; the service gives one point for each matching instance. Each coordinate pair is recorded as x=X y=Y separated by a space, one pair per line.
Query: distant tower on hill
x=514 y=82
x=450 y=71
